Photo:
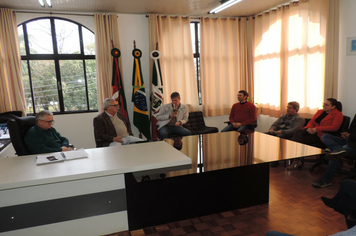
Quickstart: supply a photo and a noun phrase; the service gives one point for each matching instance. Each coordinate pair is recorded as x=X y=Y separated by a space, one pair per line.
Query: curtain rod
x=203 y=17
x=56 y=13
x=192 y=17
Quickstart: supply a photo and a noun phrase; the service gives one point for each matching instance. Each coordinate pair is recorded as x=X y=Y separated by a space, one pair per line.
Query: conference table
x=229 y=171
x=84 y=196
x=104 y=193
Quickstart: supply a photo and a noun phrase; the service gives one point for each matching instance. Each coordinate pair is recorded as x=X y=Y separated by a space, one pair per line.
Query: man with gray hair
x=111 y=127
x=43 y=138
x=287 y=124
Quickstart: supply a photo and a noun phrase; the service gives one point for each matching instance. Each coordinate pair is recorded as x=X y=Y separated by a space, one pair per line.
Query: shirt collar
x=109 y=114
x=39 y=129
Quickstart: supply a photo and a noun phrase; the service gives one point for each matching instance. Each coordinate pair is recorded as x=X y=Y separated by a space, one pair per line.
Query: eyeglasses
x=116 y=105
x=48 y=121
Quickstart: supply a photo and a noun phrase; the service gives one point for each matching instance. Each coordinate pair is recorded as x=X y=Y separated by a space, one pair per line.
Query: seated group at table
x=111 y=127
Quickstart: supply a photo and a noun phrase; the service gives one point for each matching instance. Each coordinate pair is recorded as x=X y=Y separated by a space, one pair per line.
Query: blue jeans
x=230 y=127
x=335 y=144
x=166 y=130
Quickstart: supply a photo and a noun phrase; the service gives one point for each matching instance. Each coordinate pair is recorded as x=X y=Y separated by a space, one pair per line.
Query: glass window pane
x=73 y=85
x=89 y=41
x=67 y=35
x=26 y=87
x=21 y=40
x=44 y=82
x=198 y=37
x=192 y=33
x=40 y=37
x=90 y=67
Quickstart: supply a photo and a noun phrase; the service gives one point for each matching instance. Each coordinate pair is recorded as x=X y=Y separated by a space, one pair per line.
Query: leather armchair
x=18 y=128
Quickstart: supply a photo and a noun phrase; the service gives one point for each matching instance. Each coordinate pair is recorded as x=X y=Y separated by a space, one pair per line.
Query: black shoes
x=328 y=202
x=321 y=184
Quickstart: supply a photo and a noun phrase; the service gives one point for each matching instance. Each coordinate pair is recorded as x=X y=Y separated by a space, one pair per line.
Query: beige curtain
x=12 y=96
x=332 y=49
x=177 y=62
x=106 y=30
x=290 y=57
x=225 y=64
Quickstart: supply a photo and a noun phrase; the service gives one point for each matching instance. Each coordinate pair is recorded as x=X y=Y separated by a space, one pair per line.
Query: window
x=58 y=66
x=195 y=34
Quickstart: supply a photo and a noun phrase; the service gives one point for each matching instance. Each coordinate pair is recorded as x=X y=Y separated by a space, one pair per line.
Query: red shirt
x=243 y=113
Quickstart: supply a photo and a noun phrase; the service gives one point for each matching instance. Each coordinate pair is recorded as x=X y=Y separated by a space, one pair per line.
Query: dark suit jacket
x=104 y=130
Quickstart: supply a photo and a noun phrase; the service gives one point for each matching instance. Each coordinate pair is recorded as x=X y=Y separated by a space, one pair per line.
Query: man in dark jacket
x=43 y=138
x=111 y=127
x=340 y=147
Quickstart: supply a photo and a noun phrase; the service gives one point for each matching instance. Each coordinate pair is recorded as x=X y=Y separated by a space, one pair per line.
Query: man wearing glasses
x=111 y=127
x=287 y=124
x=43 y=138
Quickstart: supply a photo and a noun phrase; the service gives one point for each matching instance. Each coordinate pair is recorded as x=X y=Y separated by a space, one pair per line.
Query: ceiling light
x=49 y=3
x=41 y=3
x=224 y=4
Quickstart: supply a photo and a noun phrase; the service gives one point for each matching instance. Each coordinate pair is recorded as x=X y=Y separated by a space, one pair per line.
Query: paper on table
x=5 y=136
x=61 y=156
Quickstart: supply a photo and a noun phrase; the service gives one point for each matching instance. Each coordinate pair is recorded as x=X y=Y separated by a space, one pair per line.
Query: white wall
x=78 y=128
x=347 y=64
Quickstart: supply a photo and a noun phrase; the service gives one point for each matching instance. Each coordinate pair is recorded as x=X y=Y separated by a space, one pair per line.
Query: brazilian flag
x=141 y=119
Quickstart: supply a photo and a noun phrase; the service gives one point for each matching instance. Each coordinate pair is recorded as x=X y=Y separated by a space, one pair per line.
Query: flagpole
x=141 y=116
x=156 y=93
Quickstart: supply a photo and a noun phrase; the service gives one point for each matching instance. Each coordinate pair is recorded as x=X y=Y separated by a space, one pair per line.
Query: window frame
x=56 y=57
x=196 y=56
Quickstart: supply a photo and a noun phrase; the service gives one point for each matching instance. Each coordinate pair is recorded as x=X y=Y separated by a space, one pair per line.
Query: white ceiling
x=170 y=7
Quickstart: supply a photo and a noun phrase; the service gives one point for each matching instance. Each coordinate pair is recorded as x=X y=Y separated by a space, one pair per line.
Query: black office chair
x=4 y=117
x=18 y=128
x=196 y=124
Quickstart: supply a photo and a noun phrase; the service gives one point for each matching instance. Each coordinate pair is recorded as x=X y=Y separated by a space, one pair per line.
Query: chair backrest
x=345 y=124
x=18 y=128
x=195 y=121
x=4 y=117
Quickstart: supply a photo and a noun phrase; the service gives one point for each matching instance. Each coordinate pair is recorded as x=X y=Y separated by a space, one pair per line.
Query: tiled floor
x=295 y=207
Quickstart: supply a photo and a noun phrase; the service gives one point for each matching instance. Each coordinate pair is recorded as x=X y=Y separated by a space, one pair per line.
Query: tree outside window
x=58 y=66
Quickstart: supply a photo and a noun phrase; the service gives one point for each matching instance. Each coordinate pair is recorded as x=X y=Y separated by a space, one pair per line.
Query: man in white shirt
x=171 y=117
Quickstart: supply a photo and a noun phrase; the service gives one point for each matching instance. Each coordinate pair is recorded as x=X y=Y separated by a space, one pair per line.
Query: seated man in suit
x=112 y=127
x=287 y=124
x=242 y=114
x=340 y=147
x=43 y=138
x=171 y=117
